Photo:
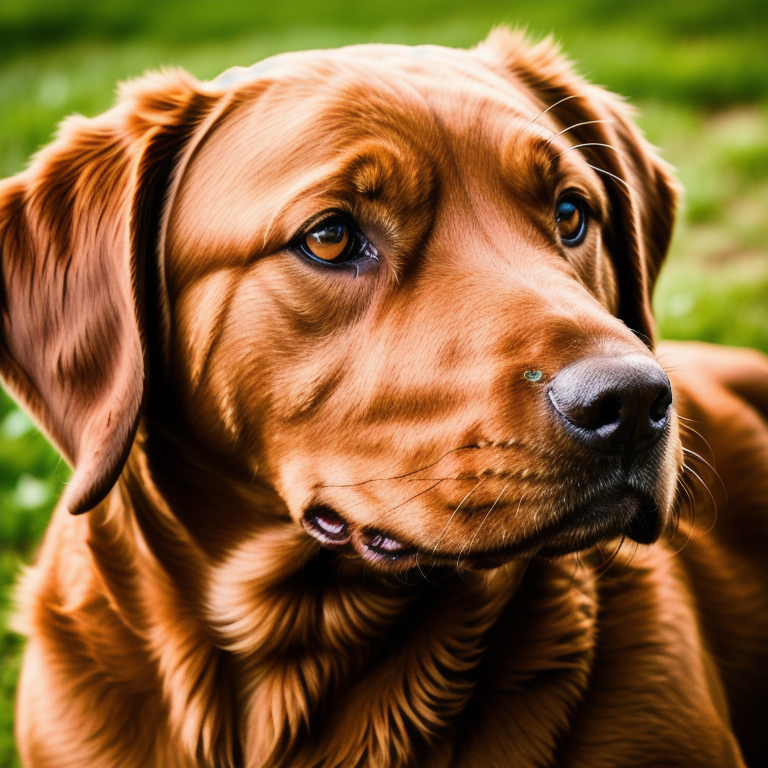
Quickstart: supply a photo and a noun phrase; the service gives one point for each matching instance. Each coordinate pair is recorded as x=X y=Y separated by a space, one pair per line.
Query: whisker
x=493 y=506
x=693 y=421
x=607 y=561
x=662 y=356
x=589 y=144
x=406 y=474
x=693 y=511
x=690 y=469
x=602 y=569
x=682 y=486
x=706 y=488
x=578 y=565
x=418 y=565
x=698 y=456
x=435 y=480
x=615 y=553
x=612 y=175
x=635 y=545
x=415 y=496
x=482 y=523
x=698 y=434
x=576 y=125
x=453 y=514
x=600 y=550
x=694 y=455
x=556 y=104
x=428 y=479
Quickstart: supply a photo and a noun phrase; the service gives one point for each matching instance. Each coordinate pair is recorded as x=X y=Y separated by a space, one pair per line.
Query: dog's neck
x=289 y=639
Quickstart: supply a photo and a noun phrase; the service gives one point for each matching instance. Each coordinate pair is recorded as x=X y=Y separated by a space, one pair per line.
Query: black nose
x=613 y=405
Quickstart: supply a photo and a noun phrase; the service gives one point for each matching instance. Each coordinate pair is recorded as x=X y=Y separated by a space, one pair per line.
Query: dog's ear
x=77 y=233
x=641 y=186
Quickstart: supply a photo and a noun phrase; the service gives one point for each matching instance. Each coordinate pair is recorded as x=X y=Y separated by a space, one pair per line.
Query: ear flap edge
x=73 y=231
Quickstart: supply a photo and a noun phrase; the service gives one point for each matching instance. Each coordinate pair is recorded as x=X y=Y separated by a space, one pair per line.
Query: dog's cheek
x=200 y=314
x=254 y=351
x=213 y=361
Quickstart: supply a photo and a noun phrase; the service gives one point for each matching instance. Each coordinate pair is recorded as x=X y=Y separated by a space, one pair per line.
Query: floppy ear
x=77 y=248
x=641 y=186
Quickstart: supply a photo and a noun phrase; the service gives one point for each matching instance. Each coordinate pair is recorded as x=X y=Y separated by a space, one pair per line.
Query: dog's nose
x=613 y=405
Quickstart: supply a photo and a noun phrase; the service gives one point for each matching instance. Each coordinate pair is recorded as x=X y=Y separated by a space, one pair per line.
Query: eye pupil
x=565 y=211
x=330 y=234
x=571 y=222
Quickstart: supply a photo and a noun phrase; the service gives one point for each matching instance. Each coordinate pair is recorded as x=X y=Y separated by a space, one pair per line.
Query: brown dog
x=352 y=354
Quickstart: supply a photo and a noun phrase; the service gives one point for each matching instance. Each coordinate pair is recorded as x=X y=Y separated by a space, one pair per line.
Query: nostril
x=595 y=414
x=326 y=525
x=607 y=411
x=659 y=409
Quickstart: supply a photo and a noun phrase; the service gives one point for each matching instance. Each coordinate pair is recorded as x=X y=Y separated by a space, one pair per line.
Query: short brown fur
x=212 y=387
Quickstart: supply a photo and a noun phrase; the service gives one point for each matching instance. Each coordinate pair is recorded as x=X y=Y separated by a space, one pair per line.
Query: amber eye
x=329 y=241
x=571 y=221
x=336 y=241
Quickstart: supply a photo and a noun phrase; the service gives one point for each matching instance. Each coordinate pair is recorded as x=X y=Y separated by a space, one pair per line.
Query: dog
x=376 y=460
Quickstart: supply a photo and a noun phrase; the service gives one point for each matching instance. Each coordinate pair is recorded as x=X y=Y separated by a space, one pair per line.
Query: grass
x=29 y=484
x=697 y=69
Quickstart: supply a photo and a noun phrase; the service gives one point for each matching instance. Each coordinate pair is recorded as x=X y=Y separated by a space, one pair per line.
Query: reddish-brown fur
x=210 y=386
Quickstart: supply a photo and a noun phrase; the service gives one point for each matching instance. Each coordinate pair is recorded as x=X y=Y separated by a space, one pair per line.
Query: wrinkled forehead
x=302 y=110
x=427 y=69
x=311 y=131
x=287 y=64
x=370 y=89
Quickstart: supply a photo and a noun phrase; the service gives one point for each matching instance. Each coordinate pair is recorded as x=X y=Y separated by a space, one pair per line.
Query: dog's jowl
x=376 y=460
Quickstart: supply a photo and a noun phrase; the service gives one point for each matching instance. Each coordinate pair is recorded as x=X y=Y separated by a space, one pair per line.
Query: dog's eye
x=571 y=221
x=334 y=241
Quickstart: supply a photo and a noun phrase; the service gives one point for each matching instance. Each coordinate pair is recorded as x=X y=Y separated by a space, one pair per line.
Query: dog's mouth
x=617 y=513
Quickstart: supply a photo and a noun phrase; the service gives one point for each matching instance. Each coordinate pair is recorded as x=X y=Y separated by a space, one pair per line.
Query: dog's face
x=408 y=289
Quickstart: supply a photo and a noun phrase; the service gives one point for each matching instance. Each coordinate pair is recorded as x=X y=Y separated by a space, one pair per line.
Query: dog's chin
x=613 y=515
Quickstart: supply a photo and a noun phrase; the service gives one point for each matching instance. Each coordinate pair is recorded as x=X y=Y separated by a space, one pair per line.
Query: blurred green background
x=698 y=70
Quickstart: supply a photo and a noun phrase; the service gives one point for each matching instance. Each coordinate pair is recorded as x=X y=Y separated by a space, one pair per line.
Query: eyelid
x=593 y=199
x=573 y=190
x=318 y=218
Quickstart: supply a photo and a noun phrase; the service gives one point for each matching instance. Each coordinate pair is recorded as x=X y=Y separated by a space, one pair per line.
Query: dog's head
x=406 y=288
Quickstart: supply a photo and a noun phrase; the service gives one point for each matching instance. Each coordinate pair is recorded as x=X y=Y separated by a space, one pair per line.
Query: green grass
x=714 y=286
x=698 y=69
x=31 y=476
